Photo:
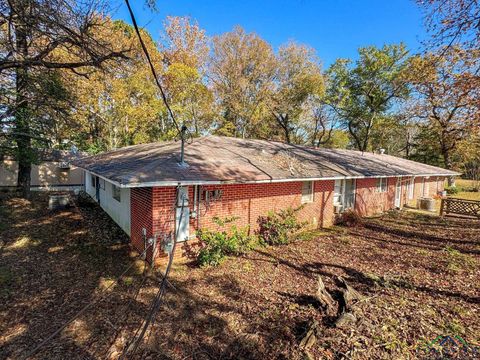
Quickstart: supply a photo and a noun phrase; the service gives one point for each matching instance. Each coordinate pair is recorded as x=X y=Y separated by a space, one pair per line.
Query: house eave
x=264 y=181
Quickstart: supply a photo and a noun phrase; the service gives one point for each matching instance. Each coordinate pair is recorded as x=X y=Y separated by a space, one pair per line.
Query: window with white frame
x=382 y=185
x=307 y=192
x=338 y=192
x=411 y=188
x=116 y=192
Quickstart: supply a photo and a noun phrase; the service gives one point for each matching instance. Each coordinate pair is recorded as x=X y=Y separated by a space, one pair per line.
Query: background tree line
x=70 y=75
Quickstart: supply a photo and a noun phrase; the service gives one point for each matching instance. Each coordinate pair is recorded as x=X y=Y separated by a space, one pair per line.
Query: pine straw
x=419 y=275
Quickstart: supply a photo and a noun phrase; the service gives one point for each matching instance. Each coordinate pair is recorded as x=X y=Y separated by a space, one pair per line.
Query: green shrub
x=219 y=244
x=277 y=228
x=451 y=190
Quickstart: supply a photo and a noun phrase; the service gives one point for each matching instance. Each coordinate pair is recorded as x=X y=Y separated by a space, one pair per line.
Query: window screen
x=382 y=185
x=116 y=193
x=338 y=192
x=411 y=188
x=307 y=191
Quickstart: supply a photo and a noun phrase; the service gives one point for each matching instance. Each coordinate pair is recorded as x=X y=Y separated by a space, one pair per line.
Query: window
x=93 y=180
x=426 y=187
x=411 y=188
x=307 y=192
x=338 y=192
x=344 y=194
x=116 y=193
x=382 y=185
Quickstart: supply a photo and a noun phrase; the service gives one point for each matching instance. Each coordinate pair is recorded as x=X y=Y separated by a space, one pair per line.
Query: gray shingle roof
x=223 y=159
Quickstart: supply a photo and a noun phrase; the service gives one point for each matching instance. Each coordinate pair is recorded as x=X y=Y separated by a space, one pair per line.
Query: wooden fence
x=454 y=206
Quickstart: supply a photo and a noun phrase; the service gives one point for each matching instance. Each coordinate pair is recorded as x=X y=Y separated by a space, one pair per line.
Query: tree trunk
x=23 y=114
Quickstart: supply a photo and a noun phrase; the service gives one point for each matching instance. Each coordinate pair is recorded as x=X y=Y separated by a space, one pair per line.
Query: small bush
x=219 y=244
x=277 y=228
x=350 y=218
x=451 y=190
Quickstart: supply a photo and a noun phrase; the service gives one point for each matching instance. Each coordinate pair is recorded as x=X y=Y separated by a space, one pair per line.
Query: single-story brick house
x=137 y=185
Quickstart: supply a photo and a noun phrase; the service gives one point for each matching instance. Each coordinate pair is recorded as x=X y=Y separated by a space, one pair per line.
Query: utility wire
x=155 y=306
x=152 y=68
x=164 y=279
x=83 y=309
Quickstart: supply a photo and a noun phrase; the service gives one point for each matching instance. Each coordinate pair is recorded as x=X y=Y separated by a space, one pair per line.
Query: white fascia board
x=106 y=179
x=230 y=182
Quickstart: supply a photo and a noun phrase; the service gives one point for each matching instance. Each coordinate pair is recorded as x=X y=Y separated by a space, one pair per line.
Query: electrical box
x=182 y=222
x=182 y=215
x=182 y=196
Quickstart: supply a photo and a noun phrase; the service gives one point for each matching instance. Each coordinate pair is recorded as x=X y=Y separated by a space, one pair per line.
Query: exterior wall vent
x=64 y=165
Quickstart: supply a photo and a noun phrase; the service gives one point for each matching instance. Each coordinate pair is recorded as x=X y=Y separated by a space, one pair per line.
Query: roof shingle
x=223 y=159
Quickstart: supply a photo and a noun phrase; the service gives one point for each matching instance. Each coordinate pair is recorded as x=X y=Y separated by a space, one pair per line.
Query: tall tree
x=467 y=157
x=447 y=96
x=38 y=37
x=298 y=83
x=453 y=22
x=185 y=49
x=363 y=93
x=241 y=71
x=119 y=105
x=183 y=41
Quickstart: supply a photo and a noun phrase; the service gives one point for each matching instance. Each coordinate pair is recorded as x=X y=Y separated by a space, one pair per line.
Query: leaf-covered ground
x=419 y=276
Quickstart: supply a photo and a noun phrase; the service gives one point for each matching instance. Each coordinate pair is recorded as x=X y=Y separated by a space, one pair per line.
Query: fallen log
x=310 y=337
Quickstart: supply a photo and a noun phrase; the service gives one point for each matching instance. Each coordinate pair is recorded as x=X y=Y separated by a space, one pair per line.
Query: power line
x=156 y=302
x=84 y=308
x=152 y=68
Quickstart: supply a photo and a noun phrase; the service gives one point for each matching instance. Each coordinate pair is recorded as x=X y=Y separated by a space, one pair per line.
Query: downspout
x=199 y=189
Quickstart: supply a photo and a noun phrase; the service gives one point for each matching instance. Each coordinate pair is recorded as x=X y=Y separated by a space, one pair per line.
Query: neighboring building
x=53 y=172
x=138 y=185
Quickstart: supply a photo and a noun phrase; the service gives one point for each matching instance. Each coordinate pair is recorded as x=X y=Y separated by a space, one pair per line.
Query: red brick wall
x=140 y=215
x=249 y=201
x=436 y=184
x=153 y=208
x=370 y=202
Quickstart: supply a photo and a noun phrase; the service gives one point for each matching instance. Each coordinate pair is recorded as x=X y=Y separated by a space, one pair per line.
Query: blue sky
x=335 y=28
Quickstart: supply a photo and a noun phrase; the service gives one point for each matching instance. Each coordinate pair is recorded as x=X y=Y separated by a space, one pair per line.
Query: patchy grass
x=418 y=274
x=466 y=184
x=470 y=195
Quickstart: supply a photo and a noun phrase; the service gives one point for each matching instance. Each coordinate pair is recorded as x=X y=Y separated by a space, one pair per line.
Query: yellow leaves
x=21 y=243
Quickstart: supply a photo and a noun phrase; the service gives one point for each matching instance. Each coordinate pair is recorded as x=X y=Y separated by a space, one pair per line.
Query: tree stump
x=325 y=299
x=349 y=294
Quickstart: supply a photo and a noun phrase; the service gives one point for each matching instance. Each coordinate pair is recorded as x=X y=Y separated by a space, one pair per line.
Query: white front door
x=398 y=193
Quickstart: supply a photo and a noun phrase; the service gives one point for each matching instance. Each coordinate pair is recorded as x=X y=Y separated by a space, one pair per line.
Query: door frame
x=398 y=188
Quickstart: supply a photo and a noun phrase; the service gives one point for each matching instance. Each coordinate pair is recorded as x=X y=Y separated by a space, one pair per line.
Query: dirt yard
x=418 y=274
